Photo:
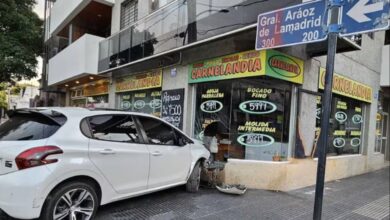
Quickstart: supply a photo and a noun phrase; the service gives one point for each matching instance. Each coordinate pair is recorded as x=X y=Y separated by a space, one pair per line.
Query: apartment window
x=156 y=4
x=129 y=13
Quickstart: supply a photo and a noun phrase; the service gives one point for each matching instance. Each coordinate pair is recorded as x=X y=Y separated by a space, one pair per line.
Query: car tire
x=193 y=182
x=65 y=200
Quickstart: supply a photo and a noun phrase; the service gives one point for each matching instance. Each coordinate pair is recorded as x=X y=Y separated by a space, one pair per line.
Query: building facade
x=193 y=63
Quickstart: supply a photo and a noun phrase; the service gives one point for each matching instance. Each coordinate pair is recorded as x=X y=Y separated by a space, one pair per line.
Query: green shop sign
x=248 y=64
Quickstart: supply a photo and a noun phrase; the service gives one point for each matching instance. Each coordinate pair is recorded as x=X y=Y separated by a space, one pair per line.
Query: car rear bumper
x=19 y=192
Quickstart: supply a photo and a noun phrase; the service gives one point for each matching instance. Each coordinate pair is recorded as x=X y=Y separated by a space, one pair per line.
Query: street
x=360 y=197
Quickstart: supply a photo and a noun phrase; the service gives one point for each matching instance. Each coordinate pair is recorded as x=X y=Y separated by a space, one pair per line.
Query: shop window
x=249 y=117
x=100 y=101
x=129 y=13
x=118 y=128
x=79 y=102
x=145 y=101
x=346 y=126
x=156 y=4
x=158 y=132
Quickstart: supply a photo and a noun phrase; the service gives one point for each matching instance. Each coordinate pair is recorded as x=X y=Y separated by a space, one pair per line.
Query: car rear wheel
x=193 y=182
x=74 y=201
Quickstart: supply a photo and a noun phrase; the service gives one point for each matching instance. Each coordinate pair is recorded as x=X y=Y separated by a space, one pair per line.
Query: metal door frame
x=385 y=135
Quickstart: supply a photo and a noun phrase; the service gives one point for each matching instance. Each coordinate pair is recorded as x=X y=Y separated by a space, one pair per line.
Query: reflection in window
x=158 y=132
x=120 y=128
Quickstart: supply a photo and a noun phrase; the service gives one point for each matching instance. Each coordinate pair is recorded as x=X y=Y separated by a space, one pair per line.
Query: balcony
x=385 y=73
x=179 y=24
x=64 y=11
x=76 y=60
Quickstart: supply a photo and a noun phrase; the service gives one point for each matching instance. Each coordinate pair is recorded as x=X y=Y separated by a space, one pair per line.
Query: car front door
x=169 y=162
x=117 y=150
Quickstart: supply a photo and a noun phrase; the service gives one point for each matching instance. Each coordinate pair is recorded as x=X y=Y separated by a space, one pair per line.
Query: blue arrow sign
x=300 y=24
x=362 y=16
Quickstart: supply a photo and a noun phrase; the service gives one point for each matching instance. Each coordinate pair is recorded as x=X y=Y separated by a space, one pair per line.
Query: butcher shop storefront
x=243 y=104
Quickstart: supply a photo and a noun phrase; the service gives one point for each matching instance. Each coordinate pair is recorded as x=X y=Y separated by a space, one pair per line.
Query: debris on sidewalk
x=232 y=189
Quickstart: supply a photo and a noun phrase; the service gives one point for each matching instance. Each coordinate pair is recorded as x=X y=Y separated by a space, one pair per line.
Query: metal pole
x=326 y=110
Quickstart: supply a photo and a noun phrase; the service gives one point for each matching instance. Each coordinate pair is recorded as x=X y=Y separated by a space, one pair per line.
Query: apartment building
x=193 y=63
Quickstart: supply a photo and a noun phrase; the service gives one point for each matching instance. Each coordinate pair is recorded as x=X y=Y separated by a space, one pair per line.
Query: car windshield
x=27 y=125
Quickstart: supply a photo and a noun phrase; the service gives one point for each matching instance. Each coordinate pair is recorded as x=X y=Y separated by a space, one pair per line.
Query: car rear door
x=117 y=150
x=169 y=162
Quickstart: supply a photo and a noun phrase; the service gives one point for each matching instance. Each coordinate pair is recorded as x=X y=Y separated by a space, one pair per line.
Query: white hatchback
x=62 y=163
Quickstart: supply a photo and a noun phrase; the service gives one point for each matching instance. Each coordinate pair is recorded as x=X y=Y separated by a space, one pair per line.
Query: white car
x=62 y=163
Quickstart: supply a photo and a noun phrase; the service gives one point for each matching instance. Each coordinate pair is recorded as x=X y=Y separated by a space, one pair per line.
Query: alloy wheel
x=76 y=204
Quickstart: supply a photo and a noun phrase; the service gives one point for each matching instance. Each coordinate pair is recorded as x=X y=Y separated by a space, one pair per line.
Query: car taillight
x=36 y=157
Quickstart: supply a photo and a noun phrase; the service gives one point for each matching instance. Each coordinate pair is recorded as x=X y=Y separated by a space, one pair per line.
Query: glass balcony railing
x=181 y=23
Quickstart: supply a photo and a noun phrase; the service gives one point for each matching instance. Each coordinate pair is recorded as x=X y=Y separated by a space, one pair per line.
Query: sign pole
x=327 y=106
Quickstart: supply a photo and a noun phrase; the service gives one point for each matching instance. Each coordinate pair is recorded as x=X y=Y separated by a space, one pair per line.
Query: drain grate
x=378 y=209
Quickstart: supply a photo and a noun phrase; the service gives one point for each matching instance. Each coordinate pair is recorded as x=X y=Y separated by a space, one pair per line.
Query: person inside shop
x=212 y=136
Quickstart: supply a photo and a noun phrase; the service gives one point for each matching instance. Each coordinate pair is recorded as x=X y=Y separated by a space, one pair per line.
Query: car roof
x=86 y=112
x=78 y=112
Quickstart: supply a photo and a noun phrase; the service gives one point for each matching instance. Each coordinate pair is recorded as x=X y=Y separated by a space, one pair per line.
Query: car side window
x=118 y=128
x=158 y=132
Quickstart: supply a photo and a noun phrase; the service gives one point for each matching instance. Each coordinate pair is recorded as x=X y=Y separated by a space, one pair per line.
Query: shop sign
x=139 y=104
x=248 y=64
x=255 y=140
x=155 y=103
x=142 y=81
x=356 y=133
x=258 y=107
x=341 y=117
x=173 y=107
x=357 y=119
x=355 y=142
x=211 y=106
x=284 y=67
x=339 y=142
x=125 y=105
x=378 y=117
x=347 y=87
x=95 y=90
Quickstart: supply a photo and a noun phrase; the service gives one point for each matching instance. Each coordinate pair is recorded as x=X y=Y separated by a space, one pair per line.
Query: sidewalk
x=360 y=197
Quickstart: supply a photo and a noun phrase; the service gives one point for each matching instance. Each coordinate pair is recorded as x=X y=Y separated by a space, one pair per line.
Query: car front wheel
x=193 y=182
x=74 y=201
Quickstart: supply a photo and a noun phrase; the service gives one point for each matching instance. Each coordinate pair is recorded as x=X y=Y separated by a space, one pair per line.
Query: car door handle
x=107 y=152
x=157 y=153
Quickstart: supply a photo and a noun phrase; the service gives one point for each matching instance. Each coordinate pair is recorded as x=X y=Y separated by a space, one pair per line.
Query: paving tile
x=343 y=199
